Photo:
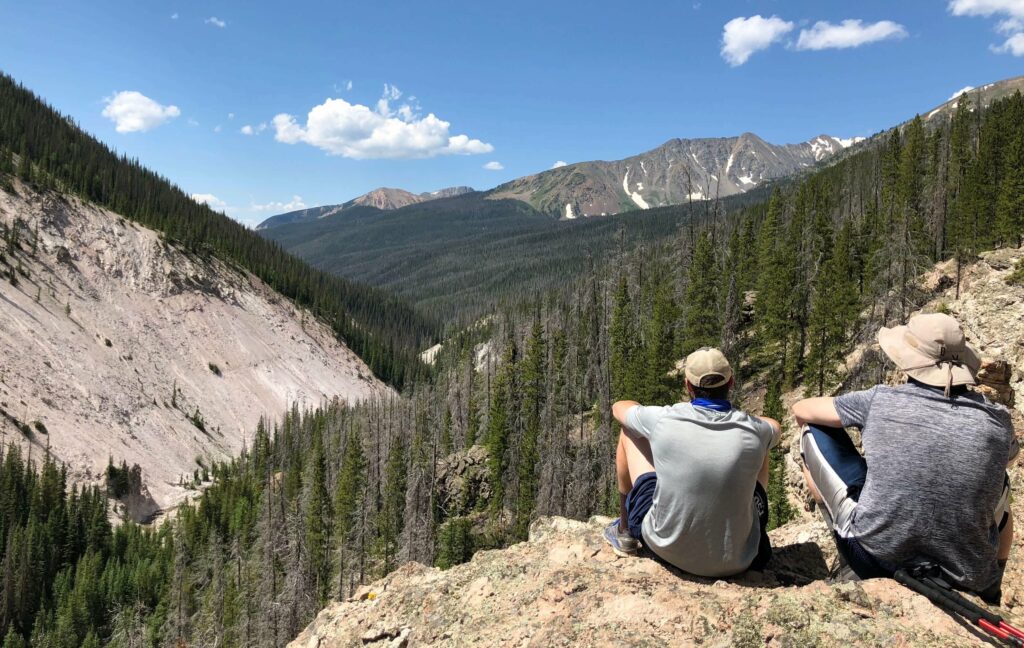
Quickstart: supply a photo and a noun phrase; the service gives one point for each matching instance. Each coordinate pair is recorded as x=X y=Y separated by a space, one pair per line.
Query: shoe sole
x=622 y=553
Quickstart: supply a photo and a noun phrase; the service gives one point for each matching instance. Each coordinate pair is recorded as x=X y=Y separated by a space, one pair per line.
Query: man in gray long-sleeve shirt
x=931 y=485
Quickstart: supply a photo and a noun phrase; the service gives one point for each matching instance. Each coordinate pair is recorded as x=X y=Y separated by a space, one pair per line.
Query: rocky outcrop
x=115 y=344
x=462 y=481
x=564 y=587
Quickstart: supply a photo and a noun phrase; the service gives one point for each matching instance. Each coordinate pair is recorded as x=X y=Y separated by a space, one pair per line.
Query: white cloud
x=360 y=132
x=216 y=22
x=348 y=85
x=560 y=163
x=1011 y=26
x=956 y=95
x=213 y=202
x=292 y=205
x=134 y=112
x=741 y=37
x=231 y=115
x=848 y=33
x=217 y=128
x=253 y=130
x=494 y=166
x=987 y=7
x=1013 y=45
x=174 y=16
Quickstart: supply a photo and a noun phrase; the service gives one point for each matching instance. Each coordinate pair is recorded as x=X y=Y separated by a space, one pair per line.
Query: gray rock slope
x=122 y=346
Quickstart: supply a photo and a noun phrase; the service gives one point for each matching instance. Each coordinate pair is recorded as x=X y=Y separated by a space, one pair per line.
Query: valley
x=330 y=475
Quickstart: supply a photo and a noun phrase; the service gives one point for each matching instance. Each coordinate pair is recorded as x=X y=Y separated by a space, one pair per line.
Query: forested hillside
x=514 y=423
x=44 y=147
x=460 y=258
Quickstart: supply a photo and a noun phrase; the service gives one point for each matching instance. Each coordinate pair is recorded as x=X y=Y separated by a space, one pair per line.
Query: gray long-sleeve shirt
x=935 y=475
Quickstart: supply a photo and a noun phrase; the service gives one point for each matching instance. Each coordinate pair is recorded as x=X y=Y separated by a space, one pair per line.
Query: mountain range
x=678 y=171
x=383 y=198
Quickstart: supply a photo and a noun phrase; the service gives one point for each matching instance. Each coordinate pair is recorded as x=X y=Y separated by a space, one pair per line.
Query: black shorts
x=641 y=496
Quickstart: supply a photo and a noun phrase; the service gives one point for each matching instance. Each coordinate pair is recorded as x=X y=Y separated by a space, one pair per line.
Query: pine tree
x=773 y=288
x=348 y=504
x=455 y=542
x=472 y=409
x=13 y=639
x=1010 y=203
x=446 y=433
x=624 y=343
x=534 y=369
x=703 y=326
x=500 y=425
x=780 y=510
x=833 y=314
x=317 y=524
x=390 y=518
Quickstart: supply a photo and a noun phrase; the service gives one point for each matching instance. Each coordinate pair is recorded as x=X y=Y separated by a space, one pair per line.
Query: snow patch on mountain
x=637 y=199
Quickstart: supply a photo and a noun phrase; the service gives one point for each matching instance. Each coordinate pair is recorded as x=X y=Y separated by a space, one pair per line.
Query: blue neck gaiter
x=717 y=404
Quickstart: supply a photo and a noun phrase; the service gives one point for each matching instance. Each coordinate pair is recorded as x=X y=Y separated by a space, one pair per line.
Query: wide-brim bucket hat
x=932 y=349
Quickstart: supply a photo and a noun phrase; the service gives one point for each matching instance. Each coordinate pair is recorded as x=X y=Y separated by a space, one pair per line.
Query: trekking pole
x=957 y=604
x=987 y=615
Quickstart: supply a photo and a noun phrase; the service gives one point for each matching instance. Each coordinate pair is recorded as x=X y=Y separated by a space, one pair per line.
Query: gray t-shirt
x=936 y=468
x=702 y=519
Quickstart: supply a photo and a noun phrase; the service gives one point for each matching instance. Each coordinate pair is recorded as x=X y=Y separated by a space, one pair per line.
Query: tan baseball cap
x=707 y=367
x=932 y=349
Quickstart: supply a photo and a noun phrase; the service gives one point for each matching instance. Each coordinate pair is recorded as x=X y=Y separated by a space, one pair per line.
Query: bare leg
x=632 y=459
x=811 y=487
x=1006 y=540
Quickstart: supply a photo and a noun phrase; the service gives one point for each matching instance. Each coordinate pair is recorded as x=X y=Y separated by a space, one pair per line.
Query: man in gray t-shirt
x=692 y=476
x=931 y=483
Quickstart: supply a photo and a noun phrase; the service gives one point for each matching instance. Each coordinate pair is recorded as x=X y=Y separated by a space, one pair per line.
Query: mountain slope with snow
x=676 y=172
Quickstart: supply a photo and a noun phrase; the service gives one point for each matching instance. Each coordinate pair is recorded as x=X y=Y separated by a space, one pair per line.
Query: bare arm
x=776 y=426
x=620 y=409
x=818 y=411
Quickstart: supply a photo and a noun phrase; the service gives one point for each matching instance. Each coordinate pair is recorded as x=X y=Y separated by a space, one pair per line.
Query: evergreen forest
x=512 y=422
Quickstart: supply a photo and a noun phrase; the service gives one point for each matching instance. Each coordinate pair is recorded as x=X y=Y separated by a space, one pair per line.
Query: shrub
x=118 y=479
x=455 y=542
x=40 y=428
x=197 y=420
x=108 y=342
x=215 y=369
x=1016 y=278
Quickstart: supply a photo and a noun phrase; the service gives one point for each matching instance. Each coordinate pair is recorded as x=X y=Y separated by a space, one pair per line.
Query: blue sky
x=514 y=86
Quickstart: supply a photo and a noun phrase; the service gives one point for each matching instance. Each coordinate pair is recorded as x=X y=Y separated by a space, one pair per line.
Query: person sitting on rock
x=931 y=485
x=692 y=476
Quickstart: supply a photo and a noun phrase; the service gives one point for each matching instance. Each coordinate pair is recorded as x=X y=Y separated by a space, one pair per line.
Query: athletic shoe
x=622 y=542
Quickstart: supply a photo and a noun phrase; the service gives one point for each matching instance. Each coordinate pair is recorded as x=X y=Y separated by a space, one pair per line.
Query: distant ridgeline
x=513 y=422
x=54 y=153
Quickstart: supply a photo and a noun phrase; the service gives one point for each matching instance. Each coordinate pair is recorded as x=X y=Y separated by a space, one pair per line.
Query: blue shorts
x=641 y=497
x=638 y=502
